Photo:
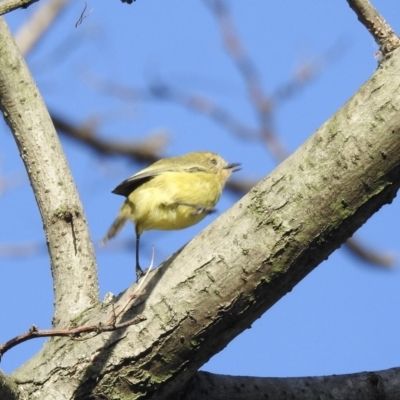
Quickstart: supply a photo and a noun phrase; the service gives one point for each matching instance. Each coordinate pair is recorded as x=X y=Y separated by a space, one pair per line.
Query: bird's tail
x=114 y=229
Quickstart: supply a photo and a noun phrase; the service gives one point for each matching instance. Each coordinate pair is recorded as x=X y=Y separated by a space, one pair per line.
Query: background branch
x=148 y=150
x=41 y=20
x=262 y=104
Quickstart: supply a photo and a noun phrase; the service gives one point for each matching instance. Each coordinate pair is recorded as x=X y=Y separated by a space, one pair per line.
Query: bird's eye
x=214 y=161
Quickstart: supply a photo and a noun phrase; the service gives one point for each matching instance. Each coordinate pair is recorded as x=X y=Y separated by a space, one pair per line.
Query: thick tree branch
x=380 y=30
x=243 y=263
x=362 y=386
x=69 y=244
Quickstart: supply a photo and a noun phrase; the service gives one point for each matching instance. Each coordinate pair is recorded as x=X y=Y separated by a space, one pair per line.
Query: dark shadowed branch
x=361 y=386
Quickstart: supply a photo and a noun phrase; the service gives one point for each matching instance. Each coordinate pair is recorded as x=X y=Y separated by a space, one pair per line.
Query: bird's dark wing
x=126 y=187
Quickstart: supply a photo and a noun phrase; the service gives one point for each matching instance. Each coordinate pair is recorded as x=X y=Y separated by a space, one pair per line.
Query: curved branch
x=68 y=240
x=75 y=333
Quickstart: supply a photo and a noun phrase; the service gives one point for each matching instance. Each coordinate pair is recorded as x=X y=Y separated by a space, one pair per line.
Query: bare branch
x=69 y=244
x=148 y=150
x=207 y=107
x=30 y=33
x=369 y=256
x=162 y=91
x=10 y=5
x=262 y=104
x=22 y=250
x=381 y=31
x=75 y=333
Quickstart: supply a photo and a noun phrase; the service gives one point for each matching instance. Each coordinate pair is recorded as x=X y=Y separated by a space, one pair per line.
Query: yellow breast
x=157 y=204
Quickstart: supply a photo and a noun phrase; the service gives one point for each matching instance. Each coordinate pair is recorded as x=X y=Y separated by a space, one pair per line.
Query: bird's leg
x=139 y=272
x=198 y=209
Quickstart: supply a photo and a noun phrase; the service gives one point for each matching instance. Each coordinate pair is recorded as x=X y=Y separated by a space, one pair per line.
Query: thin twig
x=83 y=15
x=381 y=31
x=75 y=333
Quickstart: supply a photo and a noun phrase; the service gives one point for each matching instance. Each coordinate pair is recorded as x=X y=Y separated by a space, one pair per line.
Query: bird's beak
x=234 y=167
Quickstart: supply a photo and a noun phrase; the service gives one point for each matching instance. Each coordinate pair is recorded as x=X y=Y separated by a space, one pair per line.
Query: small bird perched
x=173 y=193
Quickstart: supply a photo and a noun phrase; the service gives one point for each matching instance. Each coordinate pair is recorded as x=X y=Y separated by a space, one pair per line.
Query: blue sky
x=344 y=317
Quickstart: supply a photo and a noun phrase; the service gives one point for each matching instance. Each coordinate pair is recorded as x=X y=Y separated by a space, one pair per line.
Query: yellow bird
x=173 y=193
